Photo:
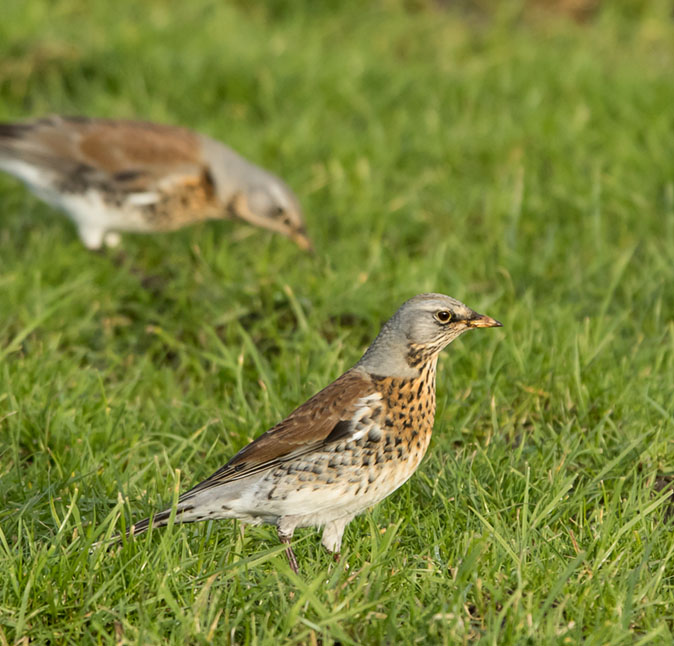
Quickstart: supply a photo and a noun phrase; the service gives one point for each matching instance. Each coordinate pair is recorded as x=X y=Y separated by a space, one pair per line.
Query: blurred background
x=417 y=128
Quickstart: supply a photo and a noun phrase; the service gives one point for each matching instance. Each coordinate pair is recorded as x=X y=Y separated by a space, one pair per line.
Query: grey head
x=253 y=194
x=417 y=332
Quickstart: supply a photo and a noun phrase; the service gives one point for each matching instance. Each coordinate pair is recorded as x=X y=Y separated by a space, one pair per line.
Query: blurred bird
x=346 y=448
x=111 y=176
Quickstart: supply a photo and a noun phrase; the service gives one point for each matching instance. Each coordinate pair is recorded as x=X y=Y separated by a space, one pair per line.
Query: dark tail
x=13 y=130
x=160 y=519
x=16 y=142
x=146 y=523
x=21 y=129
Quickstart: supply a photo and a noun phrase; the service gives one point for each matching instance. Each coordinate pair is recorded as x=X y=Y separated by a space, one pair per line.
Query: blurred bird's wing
x=77 y=153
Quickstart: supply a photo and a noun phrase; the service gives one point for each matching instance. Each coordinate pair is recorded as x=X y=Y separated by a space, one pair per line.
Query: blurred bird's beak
x=302 y=240
x=483 y=321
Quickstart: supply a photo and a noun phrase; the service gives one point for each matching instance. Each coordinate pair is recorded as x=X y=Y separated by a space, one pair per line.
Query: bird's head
x=272 y=205
x=418 y=331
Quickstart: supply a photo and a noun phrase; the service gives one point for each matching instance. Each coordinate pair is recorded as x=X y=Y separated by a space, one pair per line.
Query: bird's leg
x=332 y=535
x=285 y=539
x=91 y=236
x=112 y=239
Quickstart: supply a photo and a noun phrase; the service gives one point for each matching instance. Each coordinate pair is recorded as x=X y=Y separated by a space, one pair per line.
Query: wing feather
x=329 y=416
x=127 y=156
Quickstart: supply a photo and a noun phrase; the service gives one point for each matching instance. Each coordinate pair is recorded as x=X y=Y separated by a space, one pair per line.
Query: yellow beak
x=483 y=321
x=302 y=240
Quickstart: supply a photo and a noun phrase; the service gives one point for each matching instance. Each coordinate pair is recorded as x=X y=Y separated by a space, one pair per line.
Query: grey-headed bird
x=346 y=448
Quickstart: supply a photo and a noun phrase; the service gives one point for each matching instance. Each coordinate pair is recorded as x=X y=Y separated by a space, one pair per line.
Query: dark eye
x=443 y=316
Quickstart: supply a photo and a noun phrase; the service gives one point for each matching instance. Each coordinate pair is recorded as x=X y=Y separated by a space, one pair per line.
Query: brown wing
x=132 y=153
x=115 y=146
x=323 y=416
x=106 y=144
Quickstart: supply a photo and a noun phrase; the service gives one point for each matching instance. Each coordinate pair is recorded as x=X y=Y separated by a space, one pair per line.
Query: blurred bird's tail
x=9 y=131
x=12 y=136
x=24 y=155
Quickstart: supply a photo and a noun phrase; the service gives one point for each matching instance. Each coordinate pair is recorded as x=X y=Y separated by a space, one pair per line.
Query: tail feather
x=11 y=138
x=153 y=521
x=22 y=155
x=160 y=519
x=22 y=142
x=19 y=130
x=13 y=130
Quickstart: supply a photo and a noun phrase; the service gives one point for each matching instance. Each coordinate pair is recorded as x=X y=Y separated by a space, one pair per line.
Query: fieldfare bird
x=346 y=448
x=111 y=176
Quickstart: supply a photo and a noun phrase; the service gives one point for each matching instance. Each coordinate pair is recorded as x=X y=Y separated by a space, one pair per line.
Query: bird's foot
x=290 y=555
x=112 y=239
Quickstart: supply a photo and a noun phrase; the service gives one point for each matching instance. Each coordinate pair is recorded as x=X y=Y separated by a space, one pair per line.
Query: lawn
x=515 y=159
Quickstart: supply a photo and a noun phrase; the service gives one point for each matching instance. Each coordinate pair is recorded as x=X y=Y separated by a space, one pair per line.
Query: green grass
x=517 y=161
